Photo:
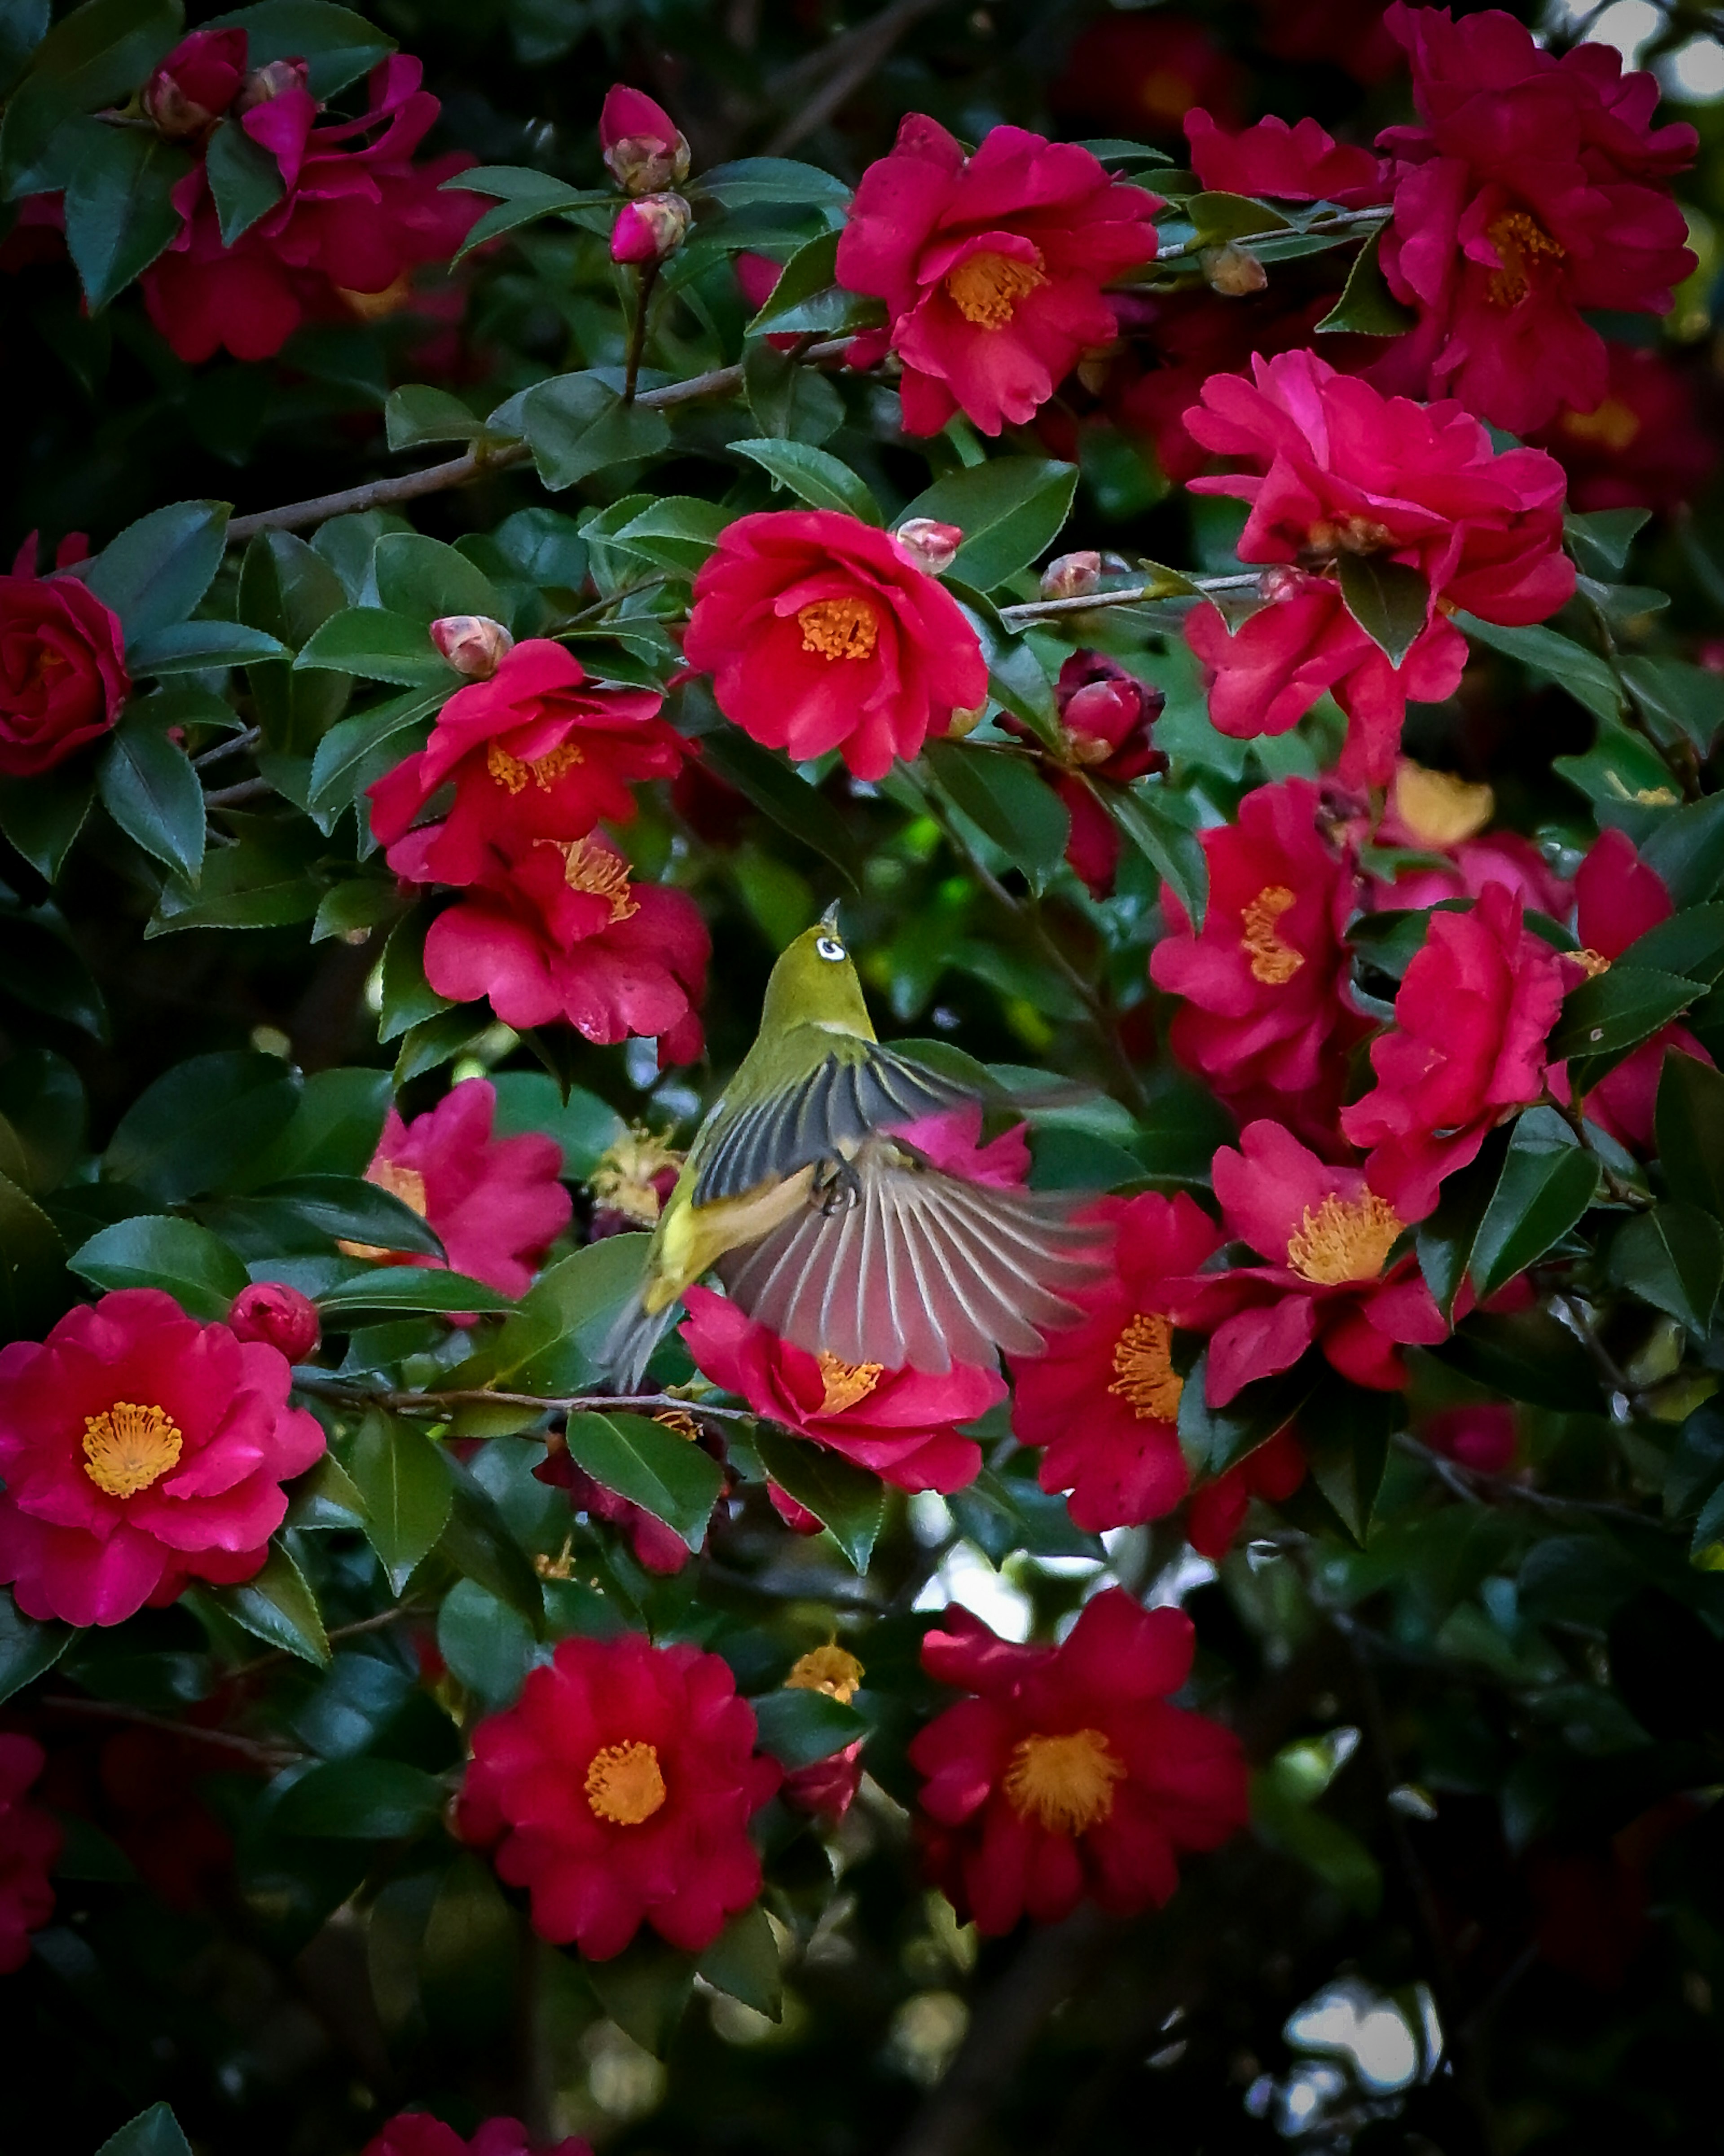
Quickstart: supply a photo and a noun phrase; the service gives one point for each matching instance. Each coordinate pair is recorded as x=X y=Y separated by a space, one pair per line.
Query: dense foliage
x=1196 y=534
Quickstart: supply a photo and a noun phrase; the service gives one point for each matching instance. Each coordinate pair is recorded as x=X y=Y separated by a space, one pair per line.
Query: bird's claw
x=836 y=1184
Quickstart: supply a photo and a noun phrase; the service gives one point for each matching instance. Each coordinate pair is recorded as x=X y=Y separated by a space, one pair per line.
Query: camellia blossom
x=991 y=266
x=1474 y=1012
x=1266 y=1005
x=618 y=1790
x=1338 y=470
x=1480 y=1435
x=1301 y=163
x=140 y=1450
x=1434 y=812
x=271 y=1311
x=1326 y=1234
x=657 y=1548
x=1066 y=1776
x=1272 y=1471
x=417 y=2133
x=534 y=752
x=827 y=1787
x=1104 y=1397
x=62 y=678
x=643 y=149
x=1644 y=447
x=1525 y=198
x=1106 y=715
x=30 y=1839
x=821 y=632
x=357 y=216
x=495 y=1204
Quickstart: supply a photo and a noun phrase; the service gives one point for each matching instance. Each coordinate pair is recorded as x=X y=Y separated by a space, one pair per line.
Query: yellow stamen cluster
x=623 y=1783
x=844 y=1383
x=1612 y=425
x=846 y=627
x=626 y=1178
x=1344 y=1240
x=986 y=288
x=543 y=771
x=829 y=1669
x=1521 y=243
x=130 y=1446
x=599 y=873
x=1591 y=963
x=1064 y=1783
x=1143 y=1373
x=1273 y=962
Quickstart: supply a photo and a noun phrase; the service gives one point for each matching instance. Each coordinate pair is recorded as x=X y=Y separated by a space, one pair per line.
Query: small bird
x=825 y=1226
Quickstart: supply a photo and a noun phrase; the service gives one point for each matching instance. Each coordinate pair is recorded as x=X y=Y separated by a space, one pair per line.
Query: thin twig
x=233 y=745
x=1344 y=220
x=331 y=1389
x=231 y=797
x=1470 y=1482
x=272 y=1756
x=852 y=57
x=1031 y=610
x=383 y=1618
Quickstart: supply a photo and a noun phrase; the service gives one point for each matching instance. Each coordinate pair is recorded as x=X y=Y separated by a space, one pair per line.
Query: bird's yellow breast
x=691 y=1239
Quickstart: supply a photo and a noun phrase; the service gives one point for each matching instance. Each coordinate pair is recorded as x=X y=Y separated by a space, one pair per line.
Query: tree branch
x=851 y=57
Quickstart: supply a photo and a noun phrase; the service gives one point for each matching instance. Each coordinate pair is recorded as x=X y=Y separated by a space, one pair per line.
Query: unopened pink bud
x=473 y=644
x=1072 y=576
x=195 y=84
x=263 y=85
x=649 y=228
x=934 y=545
x=278 y=1316
x=644 y=149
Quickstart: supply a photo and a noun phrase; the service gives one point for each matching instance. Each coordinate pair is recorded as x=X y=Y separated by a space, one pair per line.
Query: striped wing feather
x=848 y=1094
x=922 y=1270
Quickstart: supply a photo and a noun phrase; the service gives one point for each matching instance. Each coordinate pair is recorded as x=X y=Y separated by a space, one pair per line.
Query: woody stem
x=648 y=277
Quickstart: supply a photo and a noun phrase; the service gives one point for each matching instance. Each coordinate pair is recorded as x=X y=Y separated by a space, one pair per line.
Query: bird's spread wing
x=857 y=1088
x=918 y=1268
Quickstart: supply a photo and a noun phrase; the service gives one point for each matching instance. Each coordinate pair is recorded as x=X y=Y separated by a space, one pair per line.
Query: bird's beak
x=829 y=920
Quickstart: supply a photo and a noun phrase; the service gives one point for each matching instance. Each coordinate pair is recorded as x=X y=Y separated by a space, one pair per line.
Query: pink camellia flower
x=417 y=2133
x=821 y=632
x=1326 y=1234
x=195 y=84
x=1433 y=811
x=280 y=1315
x=30 y=1839
x=1273 y=1473
x=358 y=216
x=1644 y=447
x=619 y=1787
x=62 y=678
x=1302 y=163
x=1066 y=1776
x=1474 y=1012
x=657 y=1548
x=1520 y=204
x=140 y=1450
x=1617 y=898
x=560 y=929
x=1481 y=1436
x=1338 y=469
x=1105 y=715
x=534 y=750
x=1267 y=1008
x=1104 y=1397
x=495 y=1204
x=991 y=267
x=644 y=150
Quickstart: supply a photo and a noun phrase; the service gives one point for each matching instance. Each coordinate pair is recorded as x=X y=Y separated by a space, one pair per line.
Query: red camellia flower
x=30 y=1840
x=1433 y=811
x=1104 y=1397
x=1338 y=470
x=1105 y=715
x=356 y=217
x=1274 y=1472
x=1481 y=1436
x=1474 y=1012
x=560 y=929
x=1520 y=203
x=1066 y=1776
x=1644 y=447
x=1326 y=1234
x=1302 y=163
x=821 y=632
x=536 y=751
x=140 y=1450
x=495 y=1203
x=278 y=1315
x=62 y=678
x=619 y=1787
x=991 y=267
x=417 y=2133
x=1267 y=1010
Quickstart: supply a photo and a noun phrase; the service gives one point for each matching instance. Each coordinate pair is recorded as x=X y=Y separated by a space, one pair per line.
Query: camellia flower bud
x=649 y=228
x=195 y=84
x=1072 y=576
x=278 y=1315
x=265 y=84
x=934 y=545
x=643 y=148
x=966 y=722
x=473 y=644
x=1233 y=271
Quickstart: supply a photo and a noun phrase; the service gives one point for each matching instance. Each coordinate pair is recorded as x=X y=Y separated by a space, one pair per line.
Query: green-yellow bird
x=825 y=1226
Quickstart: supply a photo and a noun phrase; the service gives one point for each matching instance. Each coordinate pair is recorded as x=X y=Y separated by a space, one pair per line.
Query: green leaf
x=381 y=645
x=1690 y=1120
x=1680 y=701
x=1672 y=1257
x=1553 y=658
x=1542 y=1192
x=813 y=476
x=33 y=1287
x=348 y=1209
x=28 y=1650
x=289 y=591
x=790 y=402
x=550 y=1343
x=743 y=1962
x=1389 y=600
x=154 y=1250
x=421 y=579
x=576 y=424
x=1016 y=677
x=1445 y=1240
x=404 y=1479
x=1691 y=943
x=746 y=181
x=360 y=1800
x=1219 y=218
x=194 y=647
x=339 y=44
x=1171 y=848
x=1529 y=1357
x=644 y=1989
x=156 y=570
x=1005 y=797
x=1366 y=306
x=849 y=1503
x=1010 y=509
x=352 y=910
x=351 y=753
x=263 y=881
x=438 y=1039
x=488 y=1645
x=277 y=1606
x=41 y=967
x=524 y=195
x=1613 y=1012
x=245 y=180
x=807 y=299
x=41 y=816
x=479 y=1542
x=326 y=1497
x=583 y=1125
x=148 y=787
x=650 y=1466
x=200 y=1123
x=333 y=1131
x=1599 y=540
x=410 y=1287
x=153 y=2132
x=764 y=779
x=419 y=413
x=119 y=213
x=408 y=1000
x=1687 y=850
x=798 y=1727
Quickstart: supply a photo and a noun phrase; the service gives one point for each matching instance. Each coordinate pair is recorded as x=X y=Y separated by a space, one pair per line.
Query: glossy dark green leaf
x=28 y=1650
x=743 y=1962
x=194 y=647
x=581 y=1124
x=339 y=44
x=288 y=591
x=1390 y=601
x=644 y=1989
x=1005 y=797
x=43 y=969
x=421 y=579
x=277 y=1606
x=1691 y=1131
x=148 y=787
x=350 y=1209
x=1367 y=307
x=333 y=1131
x=530 y=195
x=156 y=570
x=404 y=1479
x=650 y=1464
x=408 y=998
x=746 y=181
x=356 y=750
x=244 y=179
x=791 y=403
x=153 y=2132
x=822 y=480
x=779 y=792
x=576 y=424
x=1553 y=657
x=1615 y=1012
x=478 y=1542
x=382 y=647
x=156 y=1250
x=1010 y=510
x=419 y=412
x=1345 y=1435
x=488 y=1646
x=1444 y=1240
x=1215 y=1439
x=409 y=1288
x=33 y=1287
x=361 y=1800
x=1687 y=850
x=1542 y=1192
x=1170 y=846
x=798 y=1727
x=849 y=1503
x=264 y=881
x=1599 y=540
x=42 y=1100
x=41 y=816
x=1529 y=1356
x=1691 y=943
x=118 y=211
x=1672 y=1257
x=200 y=1123
x=1680 y=701
x=807 y=299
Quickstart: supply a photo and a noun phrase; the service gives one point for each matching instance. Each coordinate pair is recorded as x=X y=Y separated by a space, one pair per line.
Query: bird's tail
x=627 y=1349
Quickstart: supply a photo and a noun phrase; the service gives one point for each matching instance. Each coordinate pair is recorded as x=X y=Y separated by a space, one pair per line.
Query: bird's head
x=814 y=983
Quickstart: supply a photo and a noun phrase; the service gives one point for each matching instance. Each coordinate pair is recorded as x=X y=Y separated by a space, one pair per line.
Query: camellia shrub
x=1183 y=544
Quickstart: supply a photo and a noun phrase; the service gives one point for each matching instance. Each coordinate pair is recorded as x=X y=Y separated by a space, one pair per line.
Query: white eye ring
x=830 y=948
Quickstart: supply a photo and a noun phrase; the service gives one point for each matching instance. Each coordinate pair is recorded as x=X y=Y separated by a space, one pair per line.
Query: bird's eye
x=829 y=947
